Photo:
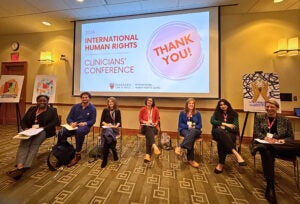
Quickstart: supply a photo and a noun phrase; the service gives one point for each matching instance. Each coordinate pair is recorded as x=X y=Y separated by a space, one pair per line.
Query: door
x=8 y=111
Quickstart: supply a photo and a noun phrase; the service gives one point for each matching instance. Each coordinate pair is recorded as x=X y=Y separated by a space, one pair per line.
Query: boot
x=104 y=162
x=75 y=160
x=105 y=156
x=115 y=154
x=270 y=192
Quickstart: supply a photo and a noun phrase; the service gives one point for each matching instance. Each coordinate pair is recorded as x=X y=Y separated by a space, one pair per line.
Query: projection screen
x=171 y=54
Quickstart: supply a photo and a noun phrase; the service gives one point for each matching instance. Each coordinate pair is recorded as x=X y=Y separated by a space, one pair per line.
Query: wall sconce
x=293 y=46
x=287 y=47
x=46 y=58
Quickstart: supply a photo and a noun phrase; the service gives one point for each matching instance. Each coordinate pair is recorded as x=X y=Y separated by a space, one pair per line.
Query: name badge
x=36 y=126
x=269 y=135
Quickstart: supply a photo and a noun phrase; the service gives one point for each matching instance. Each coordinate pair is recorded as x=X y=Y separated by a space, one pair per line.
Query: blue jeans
x=190 y=135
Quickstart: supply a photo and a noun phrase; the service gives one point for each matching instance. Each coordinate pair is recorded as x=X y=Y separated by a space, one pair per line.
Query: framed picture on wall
x=10 y=88
x=44 y=85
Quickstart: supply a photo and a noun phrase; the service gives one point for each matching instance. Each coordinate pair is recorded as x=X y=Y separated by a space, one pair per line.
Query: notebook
x=69 y=127
x=297 y=112
x=26 y=134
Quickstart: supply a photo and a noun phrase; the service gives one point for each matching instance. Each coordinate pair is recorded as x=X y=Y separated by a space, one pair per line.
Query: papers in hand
x=69 y=127
x=28 y=133
x=261 y=141
x=149 y=124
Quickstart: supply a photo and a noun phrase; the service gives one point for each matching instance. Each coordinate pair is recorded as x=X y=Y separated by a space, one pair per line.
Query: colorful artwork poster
x=44 y=85
x=10 y=88
x=258 y=88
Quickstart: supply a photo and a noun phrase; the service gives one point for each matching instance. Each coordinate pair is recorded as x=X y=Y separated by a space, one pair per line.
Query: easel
x=243 y=130
x=246 y=118
x=18 y=116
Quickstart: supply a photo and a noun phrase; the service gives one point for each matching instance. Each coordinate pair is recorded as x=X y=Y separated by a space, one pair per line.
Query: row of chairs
x=140 y=136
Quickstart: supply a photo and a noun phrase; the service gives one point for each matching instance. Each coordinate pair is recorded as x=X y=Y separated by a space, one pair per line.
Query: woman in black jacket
x=110 y=122
x=39 y=116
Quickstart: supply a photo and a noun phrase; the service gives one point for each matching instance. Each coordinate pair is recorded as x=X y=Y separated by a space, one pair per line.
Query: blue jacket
x=182 y=121
x=77 y=114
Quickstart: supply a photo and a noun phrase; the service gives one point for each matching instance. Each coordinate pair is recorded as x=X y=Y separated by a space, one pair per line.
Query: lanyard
x=271 y=124
x=225 y=117
x=190 y=116
x=36 y=115
x=113 y=116
x=150 y=115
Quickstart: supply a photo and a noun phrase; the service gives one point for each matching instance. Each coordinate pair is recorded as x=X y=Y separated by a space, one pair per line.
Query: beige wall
x=247 y=45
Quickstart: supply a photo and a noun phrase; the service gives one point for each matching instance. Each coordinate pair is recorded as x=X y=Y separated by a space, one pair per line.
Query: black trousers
x=225 y=141
x=149 y=132
x=269 y=152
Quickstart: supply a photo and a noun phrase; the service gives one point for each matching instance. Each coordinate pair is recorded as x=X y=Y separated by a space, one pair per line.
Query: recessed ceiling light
x=278 y=1
x=80 y=0
x=46 y=23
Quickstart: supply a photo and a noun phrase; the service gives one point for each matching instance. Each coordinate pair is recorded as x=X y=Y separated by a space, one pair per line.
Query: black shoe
x=16 y=173
x=218 y=171
x=115 y=155
x=242 y=163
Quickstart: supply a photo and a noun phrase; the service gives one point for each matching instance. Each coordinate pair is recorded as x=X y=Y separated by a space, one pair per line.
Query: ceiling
x=25 y=16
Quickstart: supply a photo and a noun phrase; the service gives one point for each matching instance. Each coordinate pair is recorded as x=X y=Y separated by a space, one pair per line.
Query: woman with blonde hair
x=277 y=133
x=189 y=126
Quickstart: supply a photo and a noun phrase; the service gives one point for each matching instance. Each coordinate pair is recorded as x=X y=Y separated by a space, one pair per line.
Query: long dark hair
x=231 y=114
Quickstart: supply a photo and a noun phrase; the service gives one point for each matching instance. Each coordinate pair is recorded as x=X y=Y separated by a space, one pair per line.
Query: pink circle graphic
x=174 y=50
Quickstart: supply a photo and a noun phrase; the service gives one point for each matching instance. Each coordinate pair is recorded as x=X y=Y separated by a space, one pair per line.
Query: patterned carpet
x=167 y=179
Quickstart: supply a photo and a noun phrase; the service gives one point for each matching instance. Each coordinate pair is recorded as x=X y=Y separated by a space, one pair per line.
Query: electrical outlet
x=295 y=98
